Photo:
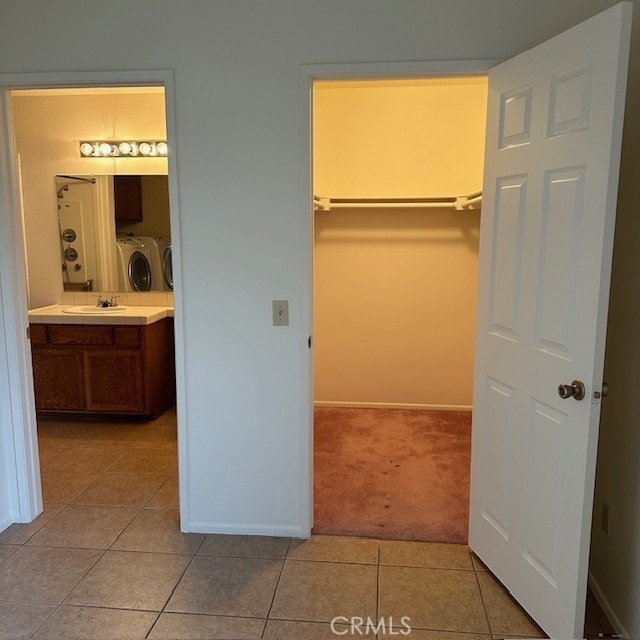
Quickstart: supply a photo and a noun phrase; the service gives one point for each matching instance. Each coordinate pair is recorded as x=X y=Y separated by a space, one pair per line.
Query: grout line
x=80 y=606
x=240 y=557
x=273 y=598
x=26 y=542
x=35 y=631
x=154 y=623
x=144 y=506
x=351 y=562
x=156 y=553
x=102 y=555
x=126 y=526
x=202 y=615
x=426 y=566
x=484 y=606
x=103 y=607
x=175 y=586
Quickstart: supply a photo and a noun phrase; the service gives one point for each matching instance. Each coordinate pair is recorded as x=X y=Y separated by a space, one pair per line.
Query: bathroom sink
x=87 y=309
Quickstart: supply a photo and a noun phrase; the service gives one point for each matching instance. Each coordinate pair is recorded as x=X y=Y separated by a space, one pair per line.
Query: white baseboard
x=392 y=405
x=606 y=607
x=245 y=529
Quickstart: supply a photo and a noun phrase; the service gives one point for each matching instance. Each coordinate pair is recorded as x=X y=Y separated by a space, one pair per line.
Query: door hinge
x=309 y=342
x=28 y=333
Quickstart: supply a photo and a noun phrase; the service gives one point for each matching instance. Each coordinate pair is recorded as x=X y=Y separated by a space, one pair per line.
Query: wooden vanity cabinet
x=103 y=369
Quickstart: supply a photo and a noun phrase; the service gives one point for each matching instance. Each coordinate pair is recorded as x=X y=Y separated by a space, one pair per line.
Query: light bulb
x=145 y=148
x=134 y=149
x=86 y=149
x=125 y=148
x=105 y=149
x=163 y=149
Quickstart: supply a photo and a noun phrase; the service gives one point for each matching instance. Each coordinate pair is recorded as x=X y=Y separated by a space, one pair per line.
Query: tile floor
x=106 y=559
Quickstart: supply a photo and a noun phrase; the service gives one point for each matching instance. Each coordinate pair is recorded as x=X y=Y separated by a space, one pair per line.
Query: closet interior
x=397 y=177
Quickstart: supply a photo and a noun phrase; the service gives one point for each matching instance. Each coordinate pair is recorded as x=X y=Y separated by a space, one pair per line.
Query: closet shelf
x=470 y=202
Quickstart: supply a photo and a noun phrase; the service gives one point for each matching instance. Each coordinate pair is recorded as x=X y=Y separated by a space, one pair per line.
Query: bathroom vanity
x=124 y=366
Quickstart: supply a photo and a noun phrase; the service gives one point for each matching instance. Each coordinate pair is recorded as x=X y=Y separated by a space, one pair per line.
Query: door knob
x=575 y=390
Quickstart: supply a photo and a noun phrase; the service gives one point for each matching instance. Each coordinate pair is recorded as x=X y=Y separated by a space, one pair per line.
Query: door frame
x=17 y=402
x=308 y=74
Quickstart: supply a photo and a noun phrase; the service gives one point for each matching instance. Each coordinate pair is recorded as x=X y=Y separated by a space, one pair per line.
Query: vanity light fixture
x=123 y=148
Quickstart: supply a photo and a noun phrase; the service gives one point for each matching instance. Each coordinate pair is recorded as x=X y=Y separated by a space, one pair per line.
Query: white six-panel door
x=551 y=166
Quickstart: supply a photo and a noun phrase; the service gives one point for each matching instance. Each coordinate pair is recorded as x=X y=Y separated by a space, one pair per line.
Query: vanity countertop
x=54 y=314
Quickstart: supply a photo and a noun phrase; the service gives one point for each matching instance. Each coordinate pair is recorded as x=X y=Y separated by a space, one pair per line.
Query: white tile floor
x=106 y=559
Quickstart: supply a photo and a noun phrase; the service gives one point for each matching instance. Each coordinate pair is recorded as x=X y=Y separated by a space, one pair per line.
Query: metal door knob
x=575 y=390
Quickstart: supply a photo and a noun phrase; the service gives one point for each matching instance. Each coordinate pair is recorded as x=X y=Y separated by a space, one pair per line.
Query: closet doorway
x=397 y=169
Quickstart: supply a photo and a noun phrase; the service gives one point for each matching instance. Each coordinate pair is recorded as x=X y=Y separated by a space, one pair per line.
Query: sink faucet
x=103 y=302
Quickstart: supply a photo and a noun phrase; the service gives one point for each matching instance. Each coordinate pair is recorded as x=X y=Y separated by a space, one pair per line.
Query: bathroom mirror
x=114 y=232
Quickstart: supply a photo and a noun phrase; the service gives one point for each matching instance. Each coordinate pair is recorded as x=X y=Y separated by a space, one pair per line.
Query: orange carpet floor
x=392 y=473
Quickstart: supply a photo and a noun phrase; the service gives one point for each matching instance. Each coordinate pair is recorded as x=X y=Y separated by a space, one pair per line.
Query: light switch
x=280 y=313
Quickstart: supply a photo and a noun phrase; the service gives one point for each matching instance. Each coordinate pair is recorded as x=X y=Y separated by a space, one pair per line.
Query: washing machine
x=134 y=265
x=161 y=267
x=167 y=268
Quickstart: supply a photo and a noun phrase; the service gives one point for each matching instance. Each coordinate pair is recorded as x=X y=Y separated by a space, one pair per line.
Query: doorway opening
x=100 y=314
x=397 y=174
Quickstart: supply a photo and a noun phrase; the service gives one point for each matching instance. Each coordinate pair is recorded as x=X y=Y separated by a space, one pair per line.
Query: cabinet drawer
x=80 y=334
x=127 y=336
x=38 y=334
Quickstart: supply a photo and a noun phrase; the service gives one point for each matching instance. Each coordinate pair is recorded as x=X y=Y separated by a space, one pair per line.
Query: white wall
x=48 y=129
x=236 y=68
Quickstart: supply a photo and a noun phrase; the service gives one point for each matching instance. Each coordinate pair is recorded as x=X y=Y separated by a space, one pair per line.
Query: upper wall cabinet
x=128 y=198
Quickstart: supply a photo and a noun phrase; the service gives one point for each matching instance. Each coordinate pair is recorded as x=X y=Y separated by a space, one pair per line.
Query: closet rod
x=394 y=204
x=470 y=203
x=459 y=203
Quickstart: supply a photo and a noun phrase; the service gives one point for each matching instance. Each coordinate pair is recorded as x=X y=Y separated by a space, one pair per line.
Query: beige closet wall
x=395 y=290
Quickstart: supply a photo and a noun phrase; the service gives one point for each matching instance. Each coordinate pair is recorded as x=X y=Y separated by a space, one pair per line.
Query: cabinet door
x=128 y=198
x=58 y=380
x=113 y=380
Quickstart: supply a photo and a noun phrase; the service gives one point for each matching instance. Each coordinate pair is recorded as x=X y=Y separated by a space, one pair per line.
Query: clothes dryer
x=167 y=268
x=161 y=268
x=134 y=265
